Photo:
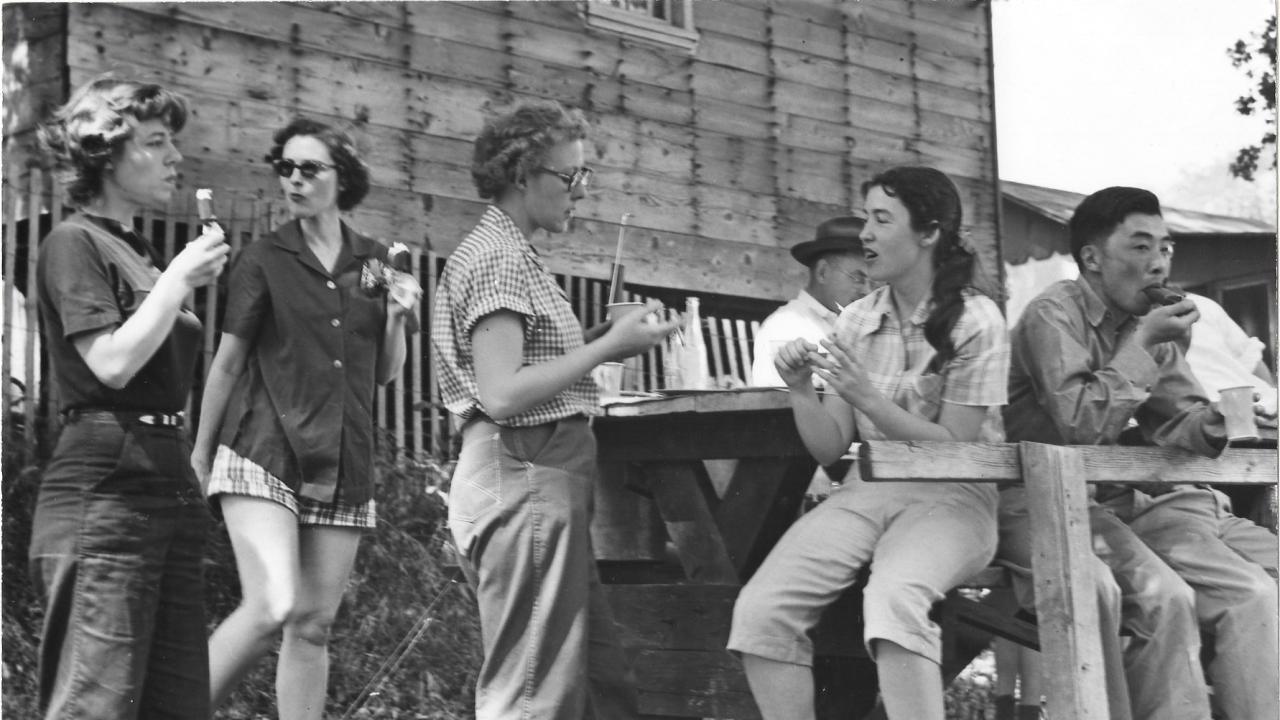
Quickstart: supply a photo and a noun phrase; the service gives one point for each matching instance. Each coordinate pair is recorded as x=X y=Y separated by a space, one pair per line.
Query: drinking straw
x=617 y=258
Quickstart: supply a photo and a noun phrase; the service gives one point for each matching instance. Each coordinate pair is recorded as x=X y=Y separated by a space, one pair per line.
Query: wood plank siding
x=726 y=156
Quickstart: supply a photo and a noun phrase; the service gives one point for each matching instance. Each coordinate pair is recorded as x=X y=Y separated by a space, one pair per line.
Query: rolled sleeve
x=79 y=284
x=489 y=288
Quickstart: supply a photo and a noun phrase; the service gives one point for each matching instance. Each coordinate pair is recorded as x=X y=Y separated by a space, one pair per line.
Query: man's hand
x=1166 y=323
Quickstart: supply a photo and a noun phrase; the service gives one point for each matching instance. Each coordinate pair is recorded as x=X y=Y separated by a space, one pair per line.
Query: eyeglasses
x=858 y=277
x=308 y=168
x=577 y=179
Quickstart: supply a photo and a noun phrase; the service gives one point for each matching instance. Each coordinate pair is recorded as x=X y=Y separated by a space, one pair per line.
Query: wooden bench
x=675 y=604
x=1056 y=480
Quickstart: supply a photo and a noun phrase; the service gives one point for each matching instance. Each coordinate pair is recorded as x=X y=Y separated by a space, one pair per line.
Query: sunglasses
x=577 y=179
x=308 y=168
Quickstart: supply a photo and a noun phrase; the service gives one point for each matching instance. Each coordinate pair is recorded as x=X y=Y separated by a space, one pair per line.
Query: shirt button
x=337 y=364
x=331 y=285
x=335 y=322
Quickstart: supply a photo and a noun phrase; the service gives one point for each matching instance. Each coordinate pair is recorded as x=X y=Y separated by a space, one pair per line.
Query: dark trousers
x=117 y=547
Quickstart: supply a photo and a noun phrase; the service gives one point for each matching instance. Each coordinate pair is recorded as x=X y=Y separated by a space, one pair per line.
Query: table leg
x=683 y=508
x=761 y=502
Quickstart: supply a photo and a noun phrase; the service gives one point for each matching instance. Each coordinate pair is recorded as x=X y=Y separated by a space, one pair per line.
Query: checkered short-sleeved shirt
x=495 y=268
x=897 y=359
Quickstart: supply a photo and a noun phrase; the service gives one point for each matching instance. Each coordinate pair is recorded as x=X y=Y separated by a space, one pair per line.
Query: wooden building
x=728 y=129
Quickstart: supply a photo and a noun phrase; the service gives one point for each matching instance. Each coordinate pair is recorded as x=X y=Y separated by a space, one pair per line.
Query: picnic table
x=675 y=543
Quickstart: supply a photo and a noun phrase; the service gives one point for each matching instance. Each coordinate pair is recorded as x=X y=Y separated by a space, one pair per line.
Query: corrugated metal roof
x=1058 y=205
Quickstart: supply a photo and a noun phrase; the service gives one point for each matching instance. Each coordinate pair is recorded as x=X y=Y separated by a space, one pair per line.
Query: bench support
x=1066 y=603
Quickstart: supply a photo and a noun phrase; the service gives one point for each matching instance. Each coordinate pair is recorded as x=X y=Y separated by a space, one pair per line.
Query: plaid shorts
x=236 y=475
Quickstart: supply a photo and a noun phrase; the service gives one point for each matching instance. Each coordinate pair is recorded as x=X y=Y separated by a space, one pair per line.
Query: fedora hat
x=839 y=234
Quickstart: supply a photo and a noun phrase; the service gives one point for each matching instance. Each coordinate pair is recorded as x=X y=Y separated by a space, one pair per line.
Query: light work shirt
x=802 y=317
x=495 y=268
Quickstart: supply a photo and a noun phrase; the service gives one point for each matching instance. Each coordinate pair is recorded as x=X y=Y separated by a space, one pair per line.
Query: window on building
x=664 y=22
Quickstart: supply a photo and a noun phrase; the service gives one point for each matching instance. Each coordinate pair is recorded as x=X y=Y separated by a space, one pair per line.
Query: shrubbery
x=399 y=574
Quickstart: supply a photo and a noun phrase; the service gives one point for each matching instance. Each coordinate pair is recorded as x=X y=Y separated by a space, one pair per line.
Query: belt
x=141 y=417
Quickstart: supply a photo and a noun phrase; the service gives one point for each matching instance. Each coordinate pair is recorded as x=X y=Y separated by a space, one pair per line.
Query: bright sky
x=1091 y=93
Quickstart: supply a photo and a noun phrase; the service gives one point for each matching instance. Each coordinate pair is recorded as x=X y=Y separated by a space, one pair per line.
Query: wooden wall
x=726 y=156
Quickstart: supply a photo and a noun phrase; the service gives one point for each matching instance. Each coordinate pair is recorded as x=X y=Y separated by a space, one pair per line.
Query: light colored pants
x=922 y=540
x=520 y=512
x=1169 y=566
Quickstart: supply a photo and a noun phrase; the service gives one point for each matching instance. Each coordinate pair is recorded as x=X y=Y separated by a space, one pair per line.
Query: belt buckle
x=161 y=419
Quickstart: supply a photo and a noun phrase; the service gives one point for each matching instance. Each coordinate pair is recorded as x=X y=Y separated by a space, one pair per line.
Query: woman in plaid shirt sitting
x=514 y=367
x=924 y=357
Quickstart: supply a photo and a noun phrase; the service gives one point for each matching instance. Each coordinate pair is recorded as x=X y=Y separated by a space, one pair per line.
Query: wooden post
x=13 y=196
x=415 y=357
x=33 y=303
x=1062 y=561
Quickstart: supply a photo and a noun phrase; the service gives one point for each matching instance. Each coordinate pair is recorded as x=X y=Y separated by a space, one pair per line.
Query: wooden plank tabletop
x=700 y=401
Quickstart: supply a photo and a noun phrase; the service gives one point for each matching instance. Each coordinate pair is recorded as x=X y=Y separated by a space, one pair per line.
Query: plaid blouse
x=495 y=268
x=897 y=359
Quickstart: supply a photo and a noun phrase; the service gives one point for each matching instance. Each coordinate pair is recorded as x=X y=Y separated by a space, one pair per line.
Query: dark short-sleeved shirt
x=1078 y=375
x=93 y=274
x=495 y=268
x=304 y=407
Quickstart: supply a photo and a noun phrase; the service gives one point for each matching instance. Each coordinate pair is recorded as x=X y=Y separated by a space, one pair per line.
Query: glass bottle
x=694 y=372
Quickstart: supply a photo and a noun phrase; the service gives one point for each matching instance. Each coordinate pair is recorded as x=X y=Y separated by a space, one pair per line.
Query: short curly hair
x=512 y=145
x=84 y=135
x=353 y=174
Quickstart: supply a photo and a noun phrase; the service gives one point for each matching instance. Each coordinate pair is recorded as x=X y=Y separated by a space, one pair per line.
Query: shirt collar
x=122 y=231
x=502 y=223
x=882 y=306
x=1095 y=309
x=289 y=237
x=811 y=302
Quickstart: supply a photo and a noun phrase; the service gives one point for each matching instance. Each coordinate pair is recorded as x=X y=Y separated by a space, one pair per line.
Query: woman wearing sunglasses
x=119 y=531
x=514 y=366
x=288 y=407
x=924 y=357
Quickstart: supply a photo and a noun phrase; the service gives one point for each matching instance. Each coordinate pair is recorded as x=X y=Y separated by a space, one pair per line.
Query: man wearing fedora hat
x=837 y=277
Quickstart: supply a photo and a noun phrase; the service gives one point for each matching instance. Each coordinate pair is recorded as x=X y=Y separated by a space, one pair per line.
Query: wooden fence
x=408 y=410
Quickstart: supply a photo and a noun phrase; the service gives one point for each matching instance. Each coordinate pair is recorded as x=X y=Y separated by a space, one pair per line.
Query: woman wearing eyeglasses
x=514 y=367
x=288 y=406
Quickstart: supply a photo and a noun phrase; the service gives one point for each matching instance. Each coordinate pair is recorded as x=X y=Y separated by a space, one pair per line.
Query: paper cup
x=617 y=311
x=609 y=377
x=1236 y=406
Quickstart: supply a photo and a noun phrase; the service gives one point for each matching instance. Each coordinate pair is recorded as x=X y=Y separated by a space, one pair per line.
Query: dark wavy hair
x=933 y=201
x=512 y=145
x=1097 y=216
x=353 y=174
x=84 y=135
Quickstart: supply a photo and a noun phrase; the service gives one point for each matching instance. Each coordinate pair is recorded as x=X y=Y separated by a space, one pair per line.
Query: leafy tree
x=1259 y=63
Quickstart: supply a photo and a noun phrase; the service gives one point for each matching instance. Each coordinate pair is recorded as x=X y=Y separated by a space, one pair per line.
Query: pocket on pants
x=476 y=488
